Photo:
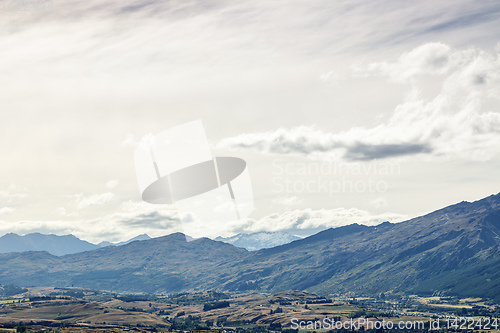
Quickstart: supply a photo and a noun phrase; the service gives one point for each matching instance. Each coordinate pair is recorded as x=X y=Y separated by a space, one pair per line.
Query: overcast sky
x=345 y=111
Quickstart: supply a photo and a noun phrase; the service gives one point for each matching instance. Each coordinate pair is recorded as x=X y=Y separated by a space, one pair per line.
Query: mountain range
x=140 y=237
x=70 y=244
x=53 y=244
x=452 y=251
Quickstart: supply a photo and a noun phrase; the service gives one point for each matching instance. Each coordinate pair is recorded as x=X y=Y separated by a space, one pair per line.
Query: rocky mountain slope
x=455 y=250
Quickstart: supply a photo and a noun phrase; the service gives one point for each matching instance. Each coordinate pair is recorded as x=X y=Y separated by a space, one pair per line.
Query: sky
x=344 y=111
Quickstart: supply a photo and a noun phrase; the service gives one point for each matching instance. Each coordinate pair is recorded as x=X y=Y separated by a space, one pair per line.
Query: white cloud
x=331 y=78
x=112 y=184
x=430 y=58
x=63 y=212
x=60 y=211
x=133 y=218
x=471 y=68
x=354 y=144
x=95 y=200
x=452 y=124
x=298 y=140
x=224 y=207
x=308 y=219
x=379 y=203
x=130 y=141
x=130 y=220
x=6 y=210
x=11 y=195
x=287 y=201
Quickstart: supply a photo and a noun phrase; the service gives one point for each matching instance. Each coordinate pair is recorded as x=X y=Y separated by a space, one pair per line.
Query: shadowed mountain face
x=455 y=250
x=167 y=263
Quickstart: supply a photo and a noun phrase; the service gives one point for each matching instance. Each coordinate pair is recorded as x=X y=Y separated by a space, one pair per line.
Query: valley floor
x=81 y=310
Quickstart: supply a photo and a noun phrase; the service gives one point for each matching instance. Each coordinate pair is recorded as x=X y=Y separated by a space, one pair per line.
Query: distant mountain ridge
x=53 y=244
x=140 y=237
x=259 y=240
x=56 y=245
x=453 y=251
x=70 y=244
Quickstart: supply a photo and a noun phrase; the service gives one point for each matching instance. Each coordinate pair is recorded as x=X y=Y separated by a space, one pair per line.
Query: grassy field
x=247 y=312
x=336 y=308
x=10 y=301
x=451 y=306
x=86 y=313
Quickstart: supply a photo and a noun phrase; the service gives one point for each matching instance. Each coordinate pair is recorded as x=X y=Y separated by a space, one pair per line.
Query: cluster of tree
x=11 y=290
x=275 y=326
x=196 y=298
x=75 y=293
x=188 y=323
x=215 y=305
x=278 y=310
x=280 y=302
x=135 y=298
x=134 y=309
x=42 y=298
x=265 y=329
x=233 y=323
x=320 y=301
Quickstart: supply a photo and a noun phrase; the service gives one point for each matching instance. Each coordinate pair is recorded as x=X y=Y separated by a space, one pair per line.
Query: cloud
x=287 y=201
x=133 y=218
x=6 y=210
x=144 y=218
x=307 y=220
x=60 y=211
x=130 y=141
x=305 y=140
x=95 y=200
x=331 y=78
x=460 y=68
x=299 y=140
x=379 y=203
x=63 y=212
x=429 y=58
x=360 y=151
x=452 y=124
x=12 y=194
x=112 y=184
x=466 y=20
x=129 y=220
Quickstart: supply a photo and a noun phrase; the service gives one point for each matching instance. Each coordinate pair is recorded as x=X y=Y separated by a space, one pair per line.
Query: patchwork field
x=82 y=310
